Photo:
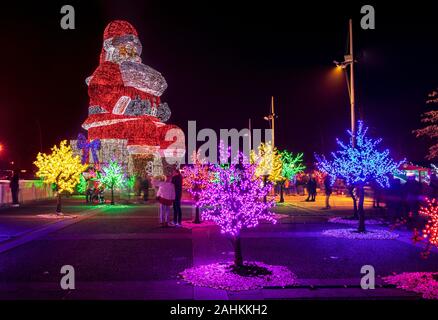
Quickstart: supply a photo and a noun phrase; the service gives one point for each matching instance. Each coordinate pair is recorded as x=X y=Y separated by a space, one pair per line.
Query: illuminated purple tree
x=234 y=201
x=360 y=164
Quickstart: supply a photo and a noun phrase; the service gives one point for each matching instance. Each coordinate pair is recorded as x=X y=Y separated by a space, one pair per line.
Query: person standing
x=165 y=196
x=286 y=187
x=311 y=189
x=412 y=194
x=177 y=181
x=145 y=189
x=328 y=191
x=377 y=194
x=393 y=199
x=90 y=191
x=137 y=186
x=14 y=184
x=308 y=186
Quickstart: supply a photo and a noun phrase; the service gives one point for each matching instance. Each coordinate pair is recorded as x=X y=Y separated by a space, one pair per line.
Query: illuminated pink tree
x=234 y=201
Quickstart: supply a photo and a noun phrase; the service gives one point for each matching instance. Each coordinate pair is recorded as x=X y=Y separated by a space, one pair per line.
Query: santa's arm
x=107 y=90
x=121 y=105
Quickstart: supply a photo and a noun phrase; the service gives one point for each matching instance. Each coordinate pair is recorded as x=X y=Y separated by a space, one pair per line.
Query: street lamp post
x=349 y=61
x=271 y=117
x=352 y=95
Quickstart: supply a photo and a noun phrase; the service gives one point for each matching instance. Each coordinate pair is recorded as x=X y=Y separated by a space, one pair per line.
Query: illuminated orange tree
x=196 y=178
x=430 y=231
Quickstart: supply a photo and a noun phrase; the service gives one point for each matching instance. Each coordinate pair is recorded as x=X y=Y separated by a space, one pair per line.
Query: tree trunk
x=197 y=214
x=355 y=214
x=58 y=203
x=361 y=211
x=197 y=217
x=112 y=196
x=281 y=192
x=238 y=259
x=265 y=178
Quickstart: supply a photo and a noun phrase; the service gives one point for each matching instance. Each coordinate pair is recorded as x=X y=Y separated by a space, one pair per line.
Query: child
x=165 y=196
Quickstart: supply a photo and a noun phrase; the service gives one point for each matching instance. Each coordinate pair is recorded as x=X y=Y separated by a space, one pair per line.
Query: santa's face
x=123 y=49
x=128 y=51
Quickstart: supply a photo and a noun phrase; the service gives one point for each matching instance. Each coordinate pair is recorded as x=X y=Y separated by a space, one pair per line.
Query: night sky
x=222 y=62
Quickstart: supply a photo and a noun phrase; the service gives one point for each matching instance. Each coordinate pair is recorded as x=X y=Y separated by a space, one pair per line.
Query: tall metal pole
x=250 y=134
x=353 y=116
x=352 y=101
x=273 y=122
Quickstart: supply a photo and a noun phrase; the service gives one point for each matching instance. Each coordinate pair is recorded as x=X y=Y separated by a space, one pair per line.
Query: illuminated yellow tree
x=61 y=169
x=268 y=162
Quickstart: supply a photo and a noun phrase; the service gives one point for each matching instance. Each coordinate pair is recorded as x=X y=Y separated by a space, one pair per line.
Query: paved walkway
x=120 y=252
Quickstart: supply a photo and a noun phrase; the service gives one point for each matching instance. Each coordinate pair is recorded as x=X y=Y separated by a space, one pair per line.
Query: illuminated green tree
x=113 y=177
x=82 y=185
x=291 y=166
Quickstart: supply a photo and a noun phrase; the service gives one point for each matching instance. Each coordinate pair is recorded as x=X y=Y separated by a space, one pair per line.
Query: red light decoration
x=319 y=176
x=430 y=231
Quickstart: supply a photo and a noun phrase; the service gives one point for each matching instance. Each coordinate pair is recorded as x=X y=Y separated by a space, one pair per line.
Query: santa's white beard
x=113 y=55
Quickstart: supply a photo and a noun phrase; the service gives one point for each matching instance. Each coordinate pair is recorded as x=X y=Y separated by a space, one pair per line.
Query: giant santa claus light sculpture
x=125 y=111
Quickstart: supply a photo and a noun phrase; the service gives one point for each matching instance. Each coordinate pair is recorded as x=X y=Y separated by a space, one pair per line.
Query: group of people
x=169 y=193
x=312 y=185
x=403 y=201
x=95 y=191
x=311 y=188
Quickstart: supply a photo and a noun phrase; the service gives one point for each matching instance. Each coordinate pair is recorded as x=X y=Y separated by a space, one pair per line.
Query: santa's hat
x=114 y=31
x=119 y=28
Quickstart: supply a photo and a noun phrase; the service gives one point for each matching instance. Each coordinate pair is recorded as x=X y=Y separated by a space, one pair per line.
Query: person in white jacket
x=165 y=196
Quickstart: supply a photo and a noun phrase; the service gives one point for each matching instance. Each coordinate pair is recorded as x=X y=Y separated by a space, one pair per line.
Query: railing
x=30 y=190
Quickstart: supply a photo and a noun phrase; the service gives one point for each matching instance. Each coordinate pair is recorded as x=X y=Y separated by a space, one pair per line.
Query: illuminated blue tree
x=359 y=164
